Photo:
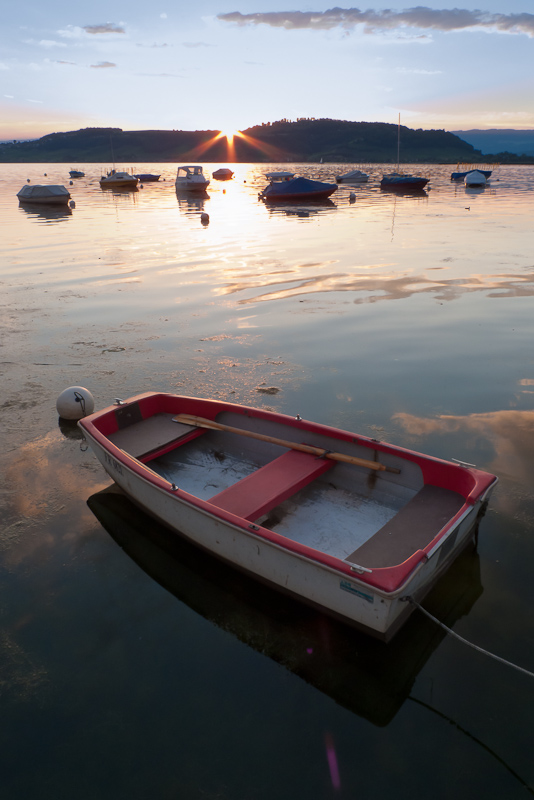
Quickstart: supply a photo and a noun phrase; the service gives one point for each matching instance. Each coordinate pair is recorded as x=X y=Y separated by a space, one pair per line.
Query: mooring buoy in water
x=75 y=402
x=205 y=218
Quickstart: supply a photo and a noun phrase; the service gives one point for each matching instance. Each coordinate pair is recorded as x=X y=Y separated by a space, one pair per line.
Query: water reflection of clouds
x=510 y=433
x=377 y=287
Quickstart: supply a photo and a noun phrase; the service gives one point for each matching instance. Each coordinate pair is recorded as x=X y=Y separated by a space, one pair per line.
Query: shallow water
x=409 y=318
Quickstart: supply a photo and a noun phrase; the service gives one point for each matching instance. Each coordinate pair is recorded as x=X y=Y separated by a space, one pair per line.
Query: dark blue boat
x=297 y=189
x=147 y=177
x=402 y=182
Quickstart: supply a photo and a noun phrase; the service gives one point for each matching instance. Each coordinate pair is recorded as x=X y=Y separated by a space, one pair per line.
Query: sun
x=229 y=134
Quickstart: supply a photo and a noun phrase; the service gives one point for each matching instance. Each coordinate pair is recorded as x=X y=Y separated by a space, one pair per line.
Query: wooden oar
x=201 y=422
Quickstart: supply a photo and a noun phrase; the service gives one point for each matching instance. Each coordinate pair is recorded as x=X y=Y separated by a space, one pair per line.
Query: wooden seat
x=148 y=438
x=411 y=529
x=270 y=485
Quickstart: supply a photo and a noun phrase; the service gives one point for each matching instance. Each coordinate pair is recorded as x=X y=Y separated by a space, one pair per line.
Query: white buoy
x=75 y=402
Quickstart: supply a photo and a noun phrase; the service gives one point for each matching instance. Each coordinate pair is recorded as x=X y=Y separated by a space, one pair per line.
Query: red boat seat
x=270 y=485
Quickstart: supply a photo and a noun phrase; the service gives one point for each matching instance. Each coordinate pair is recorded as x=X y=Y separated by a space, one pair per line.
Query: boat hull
x=371 y=599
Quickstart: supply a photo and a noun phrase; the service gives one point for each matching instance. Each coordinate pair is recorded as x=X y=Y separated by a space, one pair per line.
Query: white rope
x=470 y=644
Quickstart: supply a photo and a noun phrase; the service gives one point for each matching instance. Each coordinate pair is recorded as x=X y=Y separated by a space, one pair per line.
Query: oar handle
x=201 y=422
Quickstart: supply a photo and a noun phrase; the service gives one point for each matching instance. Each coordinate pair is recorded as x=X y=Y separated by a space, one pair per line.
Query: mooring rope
x=465 y=641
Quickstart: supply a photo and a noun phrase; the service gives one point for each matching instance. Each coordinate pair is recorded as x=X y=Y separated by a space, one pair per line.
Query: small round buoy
x=141 y=186
x=27 y=180
x=75 y=402
x=352 y=197
x=45 y=175
x=72 y=204
x=205 y=218
x=70 y=183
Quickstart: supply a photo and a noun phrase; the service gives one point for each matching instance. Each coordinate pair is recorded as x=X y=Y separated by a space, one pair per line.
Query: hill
x=306 y=140
x=496 y=140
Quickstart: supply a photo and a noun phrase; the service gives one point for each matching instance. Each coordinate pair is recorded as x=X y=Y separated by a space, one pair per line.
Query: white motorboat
x=191 y=179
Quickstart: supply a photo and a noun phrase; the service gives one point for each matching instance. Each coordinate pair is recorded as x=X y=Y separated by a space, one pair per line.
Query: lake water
x=132 y=666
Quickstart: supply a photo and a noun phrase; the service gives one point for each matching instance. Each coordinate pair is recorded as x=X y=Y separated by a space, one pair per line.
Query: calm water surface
x=131 y=666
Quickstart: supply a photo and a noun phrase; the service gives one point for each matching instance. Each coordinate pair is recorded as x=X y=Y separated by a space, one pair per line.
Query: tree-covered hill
x=306 y=140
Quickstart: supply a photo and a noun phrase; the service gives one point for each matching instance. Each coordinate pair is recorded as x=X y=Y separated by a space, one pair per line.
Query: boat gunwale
x=389 y=581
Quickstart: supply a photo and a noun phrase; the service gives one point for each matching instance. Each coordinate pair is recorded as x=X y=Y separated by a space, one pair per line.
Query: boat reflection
x=46 y=212
x=403 y=191
x=191 y=201
x=363 y=675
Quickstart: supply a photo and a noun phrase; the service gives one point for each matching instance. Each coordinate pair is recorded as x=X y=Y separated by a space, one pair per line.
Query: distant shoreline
x=304 y=141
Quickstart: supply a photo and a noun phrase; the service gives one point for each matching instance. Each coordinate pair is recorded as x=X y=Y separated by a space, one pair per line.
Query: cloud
x=411 y=71
x=197 y=44
x=103 y=65
x=158 y=75
x=446 y=20
x=163 y=16
x=48 y=43
x=109 y=27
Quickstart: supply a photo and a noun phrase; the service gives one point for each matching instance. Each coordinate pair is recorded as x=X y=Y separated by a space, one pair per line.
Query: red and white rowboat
x=349 y=524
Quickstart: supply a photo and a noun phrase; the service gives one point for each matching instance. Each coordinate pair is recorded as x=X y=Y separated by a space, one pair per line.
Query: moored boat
x=340 y=521
x=464 y=169
x=191 y=179
x=76 y=173
x=475 y=178
x=356 y=176
x=118 y=180
x=285 y=188
x=223 y=174
x=51 y=194
x=147 y=177
x=402 y=181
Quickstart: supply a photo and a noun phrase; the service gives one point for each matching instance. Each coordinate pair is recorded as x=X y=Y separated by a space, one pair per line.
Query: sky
x=230 y=64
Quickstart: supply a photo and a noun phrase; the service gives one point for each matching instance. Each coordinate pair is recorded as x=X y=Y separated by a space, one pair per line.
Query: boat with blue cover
x=285 y=187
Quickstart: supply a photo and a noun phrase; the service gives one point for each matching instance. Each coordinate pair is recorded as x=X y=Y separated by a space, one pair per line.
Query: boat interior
x=367 y=517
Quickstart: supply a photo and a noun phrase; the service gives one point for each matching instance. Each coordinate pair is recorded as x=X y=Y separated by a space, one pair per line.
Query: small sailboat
x=400 y=180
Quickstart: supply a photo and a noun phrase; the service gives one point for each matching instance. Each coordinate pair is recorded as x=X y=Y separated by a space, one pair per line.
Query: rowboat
x=348 y=524
x=355 y=670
